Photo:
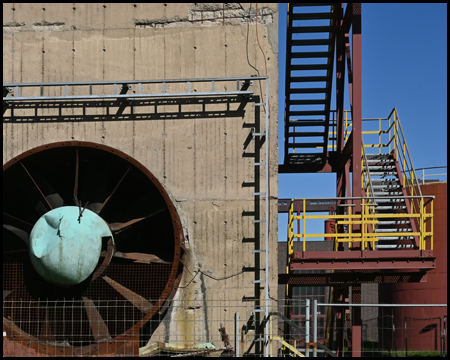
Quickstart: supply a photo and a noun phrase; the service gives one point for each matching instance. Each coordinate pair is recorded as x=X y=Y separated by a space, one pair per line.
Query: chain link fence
x=219 y=328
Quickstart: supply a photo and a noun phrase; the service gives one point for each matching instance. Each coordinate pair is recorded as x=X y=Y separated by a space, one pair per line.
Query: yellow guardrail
x=367 y=218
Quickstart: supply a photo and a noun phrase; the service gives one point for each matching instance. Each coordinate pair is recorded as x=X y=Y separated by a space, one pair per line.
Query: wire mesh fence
x=201 y=327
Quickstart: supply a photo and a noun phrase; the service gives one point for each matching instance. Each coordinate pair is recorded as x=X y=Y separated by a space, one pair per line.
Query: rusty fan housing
x=139 y=269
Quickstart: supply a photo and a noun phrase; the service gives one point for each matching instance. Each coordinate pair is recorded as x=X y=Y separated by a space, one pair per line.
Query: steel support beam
x=356 y=110
x=365 y=260
x=340 y=86
x=352 y=278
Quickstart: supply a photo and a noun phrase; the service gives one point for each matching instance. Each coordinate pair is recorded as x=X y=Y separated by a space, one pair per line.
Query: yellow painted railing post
x=431 y=230
x=389 y=134
x=363 y=224
x=379 y=136
x=421 y=226
x=304 y=225
x=350 y=220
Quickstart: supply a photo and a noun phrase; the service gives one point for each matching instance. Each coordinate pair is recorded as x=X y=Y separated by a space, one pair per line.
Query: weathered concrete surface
x=203 y=162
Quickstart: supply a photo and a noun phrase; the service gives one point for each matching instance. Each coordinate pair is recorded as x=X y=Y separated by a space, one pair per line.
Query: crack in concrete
x=211 y=14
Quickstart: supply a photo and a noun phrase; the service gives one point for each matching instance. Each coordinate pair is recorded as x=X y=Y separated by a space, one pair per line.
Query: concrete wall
x=200 y=161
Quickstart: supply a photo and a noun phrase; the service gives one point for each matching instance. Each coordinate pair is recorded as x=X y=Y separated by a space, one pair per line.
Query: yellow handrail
x=367 y=217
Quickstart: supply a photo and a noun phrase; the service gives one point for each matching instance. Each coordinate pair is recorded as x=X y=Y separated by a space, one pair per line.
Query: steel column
x=356 y=321
x=340 y=84
x=356 y=99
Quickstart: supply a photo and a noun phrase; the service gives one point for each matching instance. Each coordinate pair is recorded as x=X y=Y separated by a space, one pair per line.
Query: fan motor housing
x=65 y=244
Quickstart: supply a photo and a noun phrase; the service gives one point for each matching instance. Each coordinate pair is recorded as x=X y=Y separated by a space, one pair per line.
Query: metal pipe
x=236 y=334
x=267 y=295
x=366 y=197
x=252 y=78
x=315 y=327
x=80 y=97
x=307 y=328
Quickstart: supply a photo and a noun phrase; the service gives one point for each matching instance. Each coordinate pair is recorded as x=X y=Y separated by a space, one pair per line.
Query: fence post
x=315 y=327
x=236 y=334
x=406 y=339
x=307 y=327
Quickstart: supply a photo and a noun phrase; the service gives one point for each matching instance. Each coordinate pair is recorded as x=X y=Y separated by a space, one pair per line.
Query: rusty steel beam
x=351 y=278
x=311 y=205
x=357 y=260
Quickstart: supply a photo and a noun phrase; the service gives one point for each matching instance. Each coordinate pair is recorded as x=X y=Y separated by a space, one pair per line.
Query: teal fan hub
x=65 y=244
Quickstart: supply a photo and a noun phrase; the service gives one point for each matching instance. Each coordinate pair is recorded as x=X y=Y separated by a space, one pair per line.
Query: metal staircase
x=309 y=69
x=387 y=184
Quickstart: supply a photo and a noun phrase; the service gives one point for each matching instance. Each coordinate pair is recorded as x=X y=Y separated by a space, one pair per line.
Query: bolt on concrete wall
x=205 y=163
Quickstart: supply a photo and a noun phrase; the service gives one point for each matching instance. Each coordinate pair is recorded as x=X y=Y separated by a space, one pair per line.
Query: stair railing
x=366 y=181
x=398 y=144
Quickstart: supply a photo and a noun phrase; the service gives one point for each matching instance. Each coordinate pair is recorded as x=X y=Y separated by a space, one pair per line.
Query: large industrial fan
x=92 y=246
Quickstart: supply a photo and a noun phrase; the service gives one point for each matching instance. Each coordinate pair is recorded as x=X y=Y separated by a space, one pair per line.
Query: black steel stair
x=386 y=183
x=309 y=68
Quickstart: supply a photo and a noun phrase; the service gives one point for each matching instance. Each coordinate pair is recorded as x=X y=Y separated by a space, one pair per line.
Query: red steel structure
x=370 y=211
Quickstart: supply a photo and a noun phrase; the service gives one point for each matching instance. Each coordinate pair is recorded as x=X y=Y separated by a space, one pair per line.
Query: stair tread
x=305 y=145
x=309 y=54
x=307 y=112
x=393 y=230
x=387 y=200
x=307 y=123
x=312 y=16
x=381 y=167
x=378 y=161
x=307 y=90
x=310 y=29
x=305 y=134
x=393 y=207
x=380 y=246
x=308 y=78
x=306 y=102
x=385 y=181
x=383 y=173
x=379 y=156
x=393 y=222
x=310 y=67
x=310 y=42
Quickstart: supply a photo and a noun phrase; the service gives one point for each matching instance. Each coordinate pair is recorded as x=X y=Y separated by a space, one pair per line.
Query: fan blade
x=52 y=196
x=118 y=227
x=114 y=191
x=16 y=222
x=98 y=327
x=40 y=202
x=6 y=293
x=23 y=235
x=139 y=257
x=141 y=303
x=75 y=187
x=108 y=254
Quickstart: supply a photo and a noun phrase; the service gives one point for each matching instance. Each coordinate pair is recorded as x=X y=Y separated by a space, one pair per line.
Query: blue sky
x=404 y=65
